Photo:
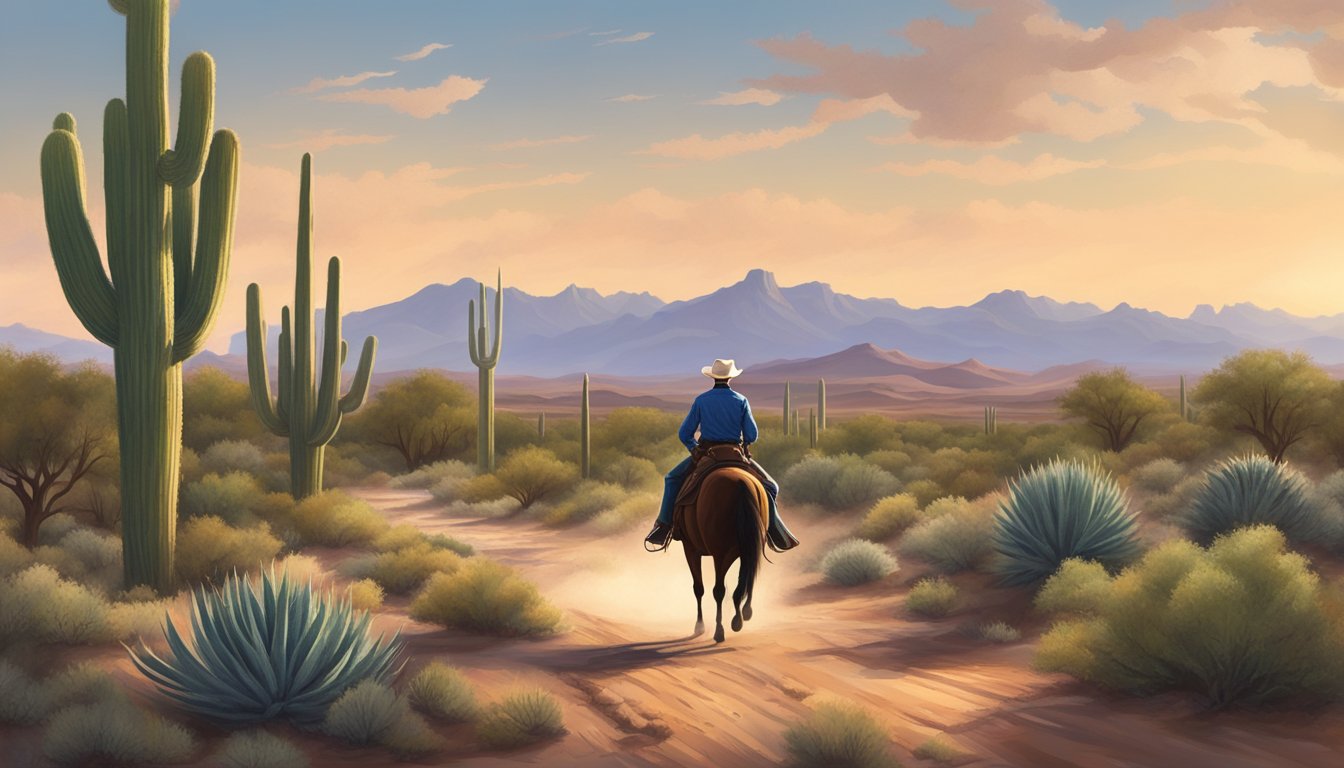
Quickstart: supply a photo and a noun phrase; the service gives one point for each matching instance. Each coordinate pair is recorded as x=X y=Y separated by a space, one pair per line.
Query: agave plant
x=1061 y=510
x=1253 y=490
x=265 y=651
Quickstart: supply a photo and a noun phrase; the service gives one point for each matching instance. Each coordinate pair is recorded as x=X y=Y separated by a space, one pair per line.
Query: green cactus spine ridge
x=485 y=357
x=821 y=405
x=585 y=434
x=308 y=405
x=167 y=262
x=788 y=410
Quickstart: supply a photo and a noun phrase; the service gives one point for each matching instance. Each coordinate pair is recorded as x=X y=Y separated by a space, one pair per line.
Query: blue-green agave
x=1061 y=510
x=265 y=651
x=1253 y=490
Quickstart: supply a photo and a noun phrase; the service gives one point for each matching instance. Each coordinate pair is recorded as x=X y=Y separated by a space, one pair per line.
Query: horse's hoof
x=737 y=623
x=718 y=634
x=699 y=629
x=746 y=612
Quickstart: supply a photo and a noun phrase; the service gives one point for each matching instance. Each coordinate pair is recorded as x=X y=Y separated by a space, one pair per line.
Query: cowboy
x=723 y=416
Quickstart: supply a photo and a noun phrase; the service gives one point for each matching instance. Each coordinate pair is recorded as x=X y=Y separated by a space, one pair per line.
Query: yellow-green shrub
x=521 y=718
x=487 y=597
x=209 y=548
x=335 y=519
x=934 y=597
x=888 y=517
x=404 y=570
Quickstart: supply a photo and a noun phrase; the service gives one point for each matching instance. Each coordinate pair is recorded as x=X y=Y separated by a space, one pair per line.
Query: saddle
x=709 y=457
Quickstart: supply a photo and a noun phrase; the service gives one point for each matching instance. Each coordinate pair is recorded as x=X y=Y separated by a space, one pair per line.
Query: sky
x=1164 y=153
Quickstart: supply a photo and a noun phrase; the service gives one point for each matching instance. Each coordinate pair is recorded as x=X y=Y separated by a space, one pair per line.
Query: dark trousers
x=672 y=486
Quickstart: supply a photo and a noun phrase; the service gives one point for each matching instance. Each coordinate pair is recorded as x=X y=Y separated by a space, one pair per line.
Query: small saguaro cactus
x=168 y=258
x=585 y=434
x=821 y=405
x=1185 y=403
x=541 y=426
x=991 y=420
x=306 y=410
x=795 y=424
x=485 y=357
x=788 y=411
x=812 y=428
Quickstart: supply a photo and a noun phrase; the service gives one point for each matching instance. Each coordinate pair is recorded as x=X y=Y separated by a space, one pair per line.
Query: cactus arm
x=471 y=333
x=116 y=187
x=214 y=243
x=286 y=377
x=327 y=415
x=258 y=374
x=345 y=352
x=184 y=241
x=359 y=386
x=499 y=316
x=120 y=6
x=181 y=166
x=78 y=263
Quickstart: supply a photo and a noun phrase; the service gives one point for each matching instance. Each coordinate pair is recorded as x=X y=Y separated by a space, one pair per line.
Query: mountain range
x=762 y=324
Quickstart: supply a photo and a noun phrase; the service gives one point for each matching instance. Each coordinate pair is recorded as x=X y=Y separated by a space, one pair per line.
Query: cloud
x=423 y=52
x=604 y=33
x=1020 y=68
x=330 y=138
x=991 y=170
x=630 y=98
x=759 y=96
x=322 y=84
x=422 y=103
x=829 y=111
x=635 y=38
x=533 y=143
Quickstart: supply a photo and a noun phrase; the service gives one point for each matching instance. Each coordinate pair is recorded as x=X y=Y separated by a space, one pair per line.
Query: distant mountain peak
x=760 y=278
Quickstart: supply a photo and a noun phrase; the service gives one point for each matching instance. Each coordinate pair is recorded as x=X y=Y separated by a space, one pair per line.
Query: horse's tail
x=750 y=536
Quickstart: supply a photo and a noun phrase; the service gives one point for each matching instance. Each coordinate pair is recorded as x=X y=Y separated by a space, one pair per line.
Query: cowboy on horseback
x=723 y=417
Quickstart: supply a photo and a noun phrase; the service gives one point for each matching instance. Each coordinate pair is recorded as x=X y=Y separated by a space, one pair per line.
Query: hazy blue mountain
x=27 y=340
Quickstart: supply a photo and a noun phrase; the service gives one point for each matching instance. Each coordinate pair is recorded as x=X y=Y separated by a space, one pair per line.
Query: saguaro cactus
x=991 y=420
x=1185 y=404
x=308 y=411
x=585 y=434
x=485 y=358
x=788 y=411
x=168 y=257
x=821 y=405
x=812 y=428
x=541 y=426
x=795 y=423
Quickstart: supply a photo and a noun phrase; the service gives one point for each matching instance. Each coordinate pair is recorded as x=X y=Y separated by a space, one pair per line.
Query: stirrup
x=667 y=542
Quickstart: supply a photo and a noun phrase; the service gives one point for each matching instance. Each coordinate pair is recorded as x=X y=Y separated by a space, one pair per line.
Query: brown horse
x=727 y=522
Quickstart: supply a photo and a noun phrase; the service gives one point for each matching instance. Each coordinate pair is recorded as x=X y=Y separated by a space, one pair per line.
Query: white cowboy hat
x=722 y=369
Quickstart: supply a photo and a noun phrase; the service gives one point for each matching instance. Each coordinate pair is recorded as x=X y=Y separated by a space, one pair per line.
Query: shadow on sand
x=625 y=656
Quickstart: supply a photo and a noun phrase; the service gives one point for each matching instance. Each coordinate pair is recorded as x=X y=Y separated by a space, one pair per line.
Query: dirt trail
x=640 y=692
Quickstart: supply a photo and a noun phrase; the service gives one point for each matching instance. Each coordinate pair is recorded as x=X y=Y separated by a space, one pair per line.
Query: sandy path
x=640 y=692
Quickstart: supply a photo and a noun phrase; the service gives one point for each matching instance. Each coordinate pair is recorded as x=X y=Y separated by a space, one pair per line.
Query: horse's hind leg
x=720 y=571
x=738 y=612
x=697 y=586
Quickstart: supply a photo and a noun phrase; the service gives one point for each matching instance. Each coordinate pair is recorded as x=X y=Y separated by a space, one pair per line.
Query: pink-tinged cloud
x=331 y=138
x=534 y=143
x=630 y=98
x=322 y=84
x=758 y=96
x=422 y=103
x=1019 y=68
x=991 y=170
x=424 y=51
x=637 y=37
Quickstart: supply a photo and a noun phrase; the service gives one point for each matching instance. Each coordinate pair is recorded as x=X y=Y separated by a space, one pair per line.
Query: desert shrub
x=336 y=519
x=888 y=517
x=25 y=700
x=635 y=431
x=404 y=570
x=895 y=462
x=128 y=620
x=233 y=673
x=430 y=475
x=38 y=606
x=231 y=497
x=837 y=482
x=1244 y=621
x=934 y=597
x=999 y=632
x=209 y=548
x=925 y=491
x=82 y=683
x=589 y=499
x=444 y=541
x=635 y=510
x=1175 y=502
x=230 y=456
x=259 y=749
x=1158 y=476
x=366 y=595
x=862 y=435
x=839 y=734
x=938 y=750
x=364 y=713
x=521 y=718
x=302 y=568
x=532 y=474
x=959 y=538
x=1253 y=490
x=1058 y=511
x=1079 y=586
x=14 y=557
x=397 y=537
x=857 y=561
x=91 y=557
x=478 y=489
x=57 y=527
x=632 y=472
x=114 y=732
x=443 y=693
x=487 y=597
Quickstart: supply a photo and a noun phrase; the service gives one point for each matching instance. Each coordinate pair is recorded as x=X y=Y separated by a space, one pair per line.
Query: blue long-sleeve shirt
x=722 y=415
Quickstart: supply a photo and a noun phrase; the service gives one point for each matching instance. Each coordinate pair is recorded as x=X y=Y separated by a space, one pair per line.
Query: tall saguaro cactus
x=485 y=358
x=585 y=434
x=991 y=420
x=788 y=411
x=307 y=410
x=1185 y=403
x=821 y=405
x=168 y=255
